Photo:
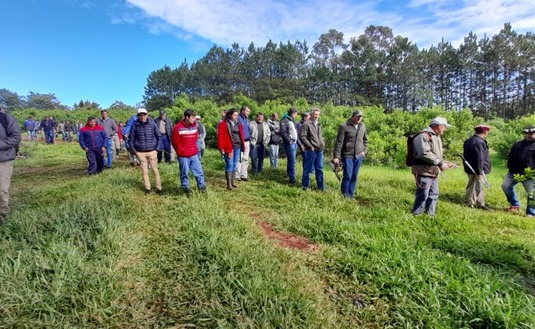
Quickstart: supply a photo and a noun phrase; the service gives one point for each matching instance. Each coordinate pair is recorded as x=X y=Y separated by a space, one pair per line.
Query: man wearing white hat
x=428 y=162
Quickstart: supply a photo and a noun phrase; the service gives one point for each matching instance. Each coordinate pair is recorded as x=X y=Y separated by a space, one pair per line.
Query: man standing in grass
x=184 y=140
x=351 y=146
x=9 y=141
x=93 y=141
x=476 y=166
x=313 y=142
x=243 y=121
x=289 y=141
x=428 y=162
x=521 y=158
x=143 y=141
x=110 y=127
x=260 y=136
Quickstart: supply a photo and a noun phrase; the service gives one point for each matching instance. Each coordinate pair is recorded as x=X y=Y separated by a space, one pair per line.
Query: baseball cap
x=197 y=117
x=357 y=113
x=141 y=110
x=481 y=128
x=529 y=129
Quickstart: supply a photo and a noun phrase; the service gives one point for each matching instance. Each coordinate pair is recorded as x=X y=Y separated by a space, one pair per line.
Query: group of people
x=428 y=163
x=148 y=142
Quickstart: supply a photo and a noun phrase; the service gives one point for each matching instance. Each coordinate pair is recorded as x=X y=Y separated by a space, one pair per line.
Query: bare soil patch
x=287 y=240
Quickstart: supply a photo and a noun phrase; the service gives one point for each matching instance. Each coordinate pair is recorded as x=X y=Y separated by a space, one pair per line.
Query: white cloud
x=424 y=22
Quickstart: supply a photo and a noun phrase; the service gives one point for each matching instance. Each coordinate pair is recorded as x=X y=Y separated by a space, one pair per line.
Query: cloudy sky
x=103 y=50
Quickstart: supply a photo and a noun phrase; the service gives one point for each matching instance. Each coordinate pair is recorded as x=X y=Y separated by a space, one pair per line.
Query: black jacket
x=350 y=141
x=521 y=156
x=476 y=153
x=144 y=136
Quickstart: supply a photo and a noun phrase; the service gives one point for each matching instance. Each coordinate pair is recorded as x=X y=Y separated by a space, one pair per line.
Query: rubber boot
x=232 y=180
x=229 y=176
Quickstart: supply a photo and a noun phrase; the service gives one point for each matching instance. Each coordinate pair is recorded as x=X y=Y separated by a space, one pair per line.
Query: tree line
x=491 y=76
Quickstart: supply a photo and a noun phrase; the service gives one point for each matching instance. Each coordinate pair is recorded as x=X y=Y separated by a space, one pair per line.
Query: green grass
x=95 y=252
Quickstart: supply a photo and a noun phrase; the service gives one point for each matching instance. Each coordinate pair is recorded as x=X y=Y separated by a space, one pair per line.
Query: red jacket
x=184 y=139
x=224 y=142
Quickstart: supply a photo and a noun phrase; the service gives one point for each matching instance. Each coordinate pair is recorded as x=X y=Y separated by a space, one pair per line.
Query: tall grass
x=95 y=252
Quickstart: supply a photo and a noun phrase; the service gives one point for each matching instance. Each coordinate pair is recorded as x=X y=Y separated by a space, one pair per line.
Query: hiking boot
x=159 y=192
x=512 y=208
x=187 y=190
x=147 y=191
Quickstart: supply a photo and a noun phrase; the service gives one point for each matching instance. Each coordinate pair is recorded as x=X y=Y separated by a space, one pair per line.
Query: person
x=121 y=140
x=201 y=130
x=289 y=142
x=476 y=154
x=9 y=141
x=521 y=157
x=428 y=162
x=313 y=142
x=184 y=139
x=260 y=137
x=230 y=143
x=110 y=127
x=61 y=130
x=69 y=130
x=275 y=139
x=47 y=127
x=78 y=126
x=166 y=127
x=350 y=148
x=305 y=116
x=132 y=158
x=143 y=141
x=93 y=141
x=31 y=127
x=243 y=120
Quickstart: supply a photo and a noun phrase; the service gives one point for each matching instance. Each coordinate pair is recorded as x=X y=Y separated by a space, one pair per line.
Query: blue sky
x=103 y=50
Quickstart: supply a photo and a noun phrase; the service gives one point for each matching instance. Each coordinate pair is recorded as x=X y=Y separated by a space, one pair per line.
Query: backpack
x=409 y=157
x=3 y=121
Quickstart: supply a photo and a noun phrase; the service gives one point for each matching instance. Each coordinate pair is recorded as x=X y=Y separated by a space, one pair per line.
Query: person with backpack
x=350 y=148
x=427 y=163
x=9 y=141
x=275 y=139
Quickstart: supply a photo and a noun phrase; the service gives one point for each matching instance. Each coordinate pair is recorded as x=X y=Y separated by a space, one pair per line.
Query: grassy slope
x=96 y=252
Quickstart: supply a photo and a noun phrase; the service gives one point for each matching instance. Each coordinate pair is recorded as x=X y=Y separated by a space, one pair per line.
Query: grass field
x=96 y=252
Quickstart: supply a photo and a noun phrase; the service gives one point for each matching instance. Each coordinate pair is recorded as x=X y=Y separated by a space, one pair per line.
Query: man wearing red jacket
x=184 y=141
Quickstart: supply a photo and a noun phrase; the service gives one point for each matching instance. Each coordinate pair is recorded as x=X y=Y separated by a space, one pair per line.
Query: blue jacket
x=92 y=137
x=144 y=136
x=244 y=122
x=128 y=126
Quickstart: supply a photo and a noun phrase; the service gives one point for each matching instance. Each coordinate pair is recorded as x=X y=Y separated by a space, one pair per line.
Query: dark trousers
x=165 y=148
x=257 y=157
x=95 y=160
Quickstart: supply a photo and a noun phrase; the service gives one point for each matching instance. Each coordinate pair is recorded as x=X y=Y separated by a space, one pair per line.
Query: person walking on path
x=143 y=141
x=230 y=143
x=521 y=157
x=9 y=142
x=428 y=162
x=314 y=144
x=93 y=141
x=184 y=140
x=476 y=162
x=350 y=148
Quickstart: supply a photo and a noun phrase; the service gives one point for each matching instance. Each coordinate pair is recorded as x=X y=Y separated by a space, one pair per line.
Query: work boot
x=233 y=179
x=229 y=176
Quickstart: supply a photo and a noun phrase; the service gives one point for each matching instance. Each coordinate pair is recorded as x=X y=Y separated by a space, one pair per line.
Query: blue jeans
x=273 y=155
x=232 y=163
x=109 y=152
x=351 y=172
x=257 y=158
x=426 y=195
x=49 y=136
x=199 y=149
x=313 y=161
x=31 y=135
x=165 y=148
x=291 y=151
x=508 y=187
x=194 y=164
